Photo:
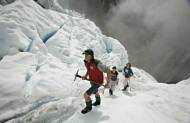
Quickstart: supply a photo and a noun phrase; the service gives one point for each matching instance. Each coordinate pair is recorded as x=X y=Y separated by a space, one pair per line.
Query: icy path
x=49 y=95
x=157 y=103
x=123 y=107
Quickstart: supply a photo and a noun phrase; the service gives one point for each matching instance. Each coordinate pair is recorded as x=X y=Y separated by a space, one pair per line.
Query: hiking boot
x=110 y=91
x=87 y=108
x=97 y=102
x=125 y=87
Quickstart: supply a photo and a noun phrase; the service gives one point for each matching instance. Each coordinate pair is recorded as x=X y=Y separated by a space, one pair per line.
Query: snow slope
x=41 y=51
x=50 y=96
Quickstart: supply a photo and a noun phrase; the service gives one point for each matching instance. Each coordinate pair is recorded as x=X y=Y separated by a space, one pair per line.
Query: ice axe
x=79 y=76
x=76 y=75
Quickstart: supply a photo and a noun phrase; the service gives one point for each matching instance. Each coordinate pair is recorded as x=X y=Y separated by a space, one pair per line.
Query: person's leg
x=97 y=95
x=125 y=84
x=87 y=108
x=88 y=100
x=88 y=93
x=114 y=85
x=111 y=91
x=98 y=99
x=87 y=97
x=111 y=87
x=129 y=87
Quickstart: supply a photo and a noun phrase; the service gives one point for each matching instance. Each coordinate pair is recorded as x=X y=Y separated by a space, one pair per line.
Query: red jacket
x=94 y=73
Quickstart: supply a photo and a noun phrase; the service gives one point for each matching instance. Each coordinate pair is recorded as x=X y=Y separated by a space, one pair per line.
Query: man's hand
x=84 y=78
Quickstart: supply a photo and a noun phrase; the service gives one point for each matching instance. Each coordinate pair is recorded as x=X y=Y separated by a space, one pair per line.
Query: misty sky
x=156 y=33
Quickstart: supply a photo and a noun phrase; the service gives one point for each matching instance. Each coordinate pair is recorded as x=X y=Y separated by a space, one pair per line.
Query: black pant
x=93 y=89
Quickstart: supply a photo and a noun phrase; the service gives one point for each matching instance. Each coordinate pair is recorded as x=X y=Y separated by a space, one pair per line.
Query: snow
x=50 y=95
x=41 y=51
x=60 y=32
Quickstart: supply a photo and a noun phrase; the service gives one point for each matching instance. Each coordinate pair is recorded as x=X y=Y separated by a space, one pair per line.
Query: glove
x=84 y=78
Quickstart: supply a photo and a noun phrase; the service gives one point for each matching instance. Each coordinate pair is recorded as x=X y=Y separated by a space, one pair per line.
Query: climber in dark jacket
x=127 y=73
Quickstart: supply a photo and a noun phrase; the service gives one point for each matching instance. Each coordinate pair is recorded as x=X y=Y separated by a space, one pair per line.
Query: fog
x=156 y=34
x=95 y=10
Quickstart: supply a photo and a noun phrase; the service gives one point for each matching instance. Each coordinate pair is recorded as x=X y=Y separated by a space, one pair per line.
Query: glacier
x=40 y=52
